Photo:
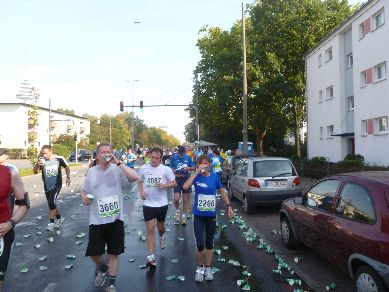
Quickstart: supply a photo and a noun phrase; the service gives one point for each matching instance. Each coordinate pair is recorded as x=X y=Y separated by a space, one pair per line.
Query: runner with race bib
x=154 y=180
x=206 y=184
x=103 y=191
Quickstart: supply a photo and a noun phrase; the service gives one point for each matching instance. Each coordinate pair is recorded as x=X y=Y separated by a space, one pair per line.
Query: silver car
x=264 y=180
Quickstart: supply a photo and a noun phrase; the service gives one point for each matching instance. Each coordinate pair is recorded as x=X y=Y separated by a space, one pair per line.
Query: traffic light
x=141 y=105
x=121 y=106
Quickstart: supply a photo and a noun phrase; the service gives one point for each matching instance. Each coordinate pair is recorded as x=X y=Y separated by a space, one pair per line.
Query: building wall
x=14 y=126
x=326 y=112
x=371 y=101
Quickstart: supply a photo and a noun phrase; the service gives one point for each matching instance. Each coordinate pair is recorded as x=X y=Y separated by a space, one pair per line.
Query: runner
x=216 y=163
x=129 y=158
x=204 y=210
x=154 y=180
x=106 y=182
x=10 y=183
x=50 y=165
x=181 y=164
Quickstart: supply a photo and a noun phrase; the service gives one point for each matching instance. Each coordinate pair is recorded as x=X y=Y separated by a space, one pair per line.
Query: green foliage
x=278 y=33
x=357 y=157
x=63 y=150
x=319 y=161
x=32 y=154
x=353 y=164
x=16 y=153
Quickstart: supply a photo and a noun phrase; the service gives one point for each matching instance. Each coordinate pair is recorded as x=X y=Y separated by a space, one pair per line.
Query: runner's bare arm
x=67 y=170
x=36 y=168
x=21 y=211
x=140 y=188
x=171 y=184
x=189 y=181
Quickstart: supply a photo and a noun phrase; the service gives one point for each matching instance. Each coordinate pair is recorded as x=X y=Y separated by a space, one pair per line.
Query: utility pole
x=197 y=108
x=244 y=97
x=50 y=121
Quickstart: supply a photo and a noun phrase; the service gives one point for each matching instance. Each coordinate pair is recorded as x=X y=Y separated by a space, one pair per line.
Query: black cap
x=181 y=149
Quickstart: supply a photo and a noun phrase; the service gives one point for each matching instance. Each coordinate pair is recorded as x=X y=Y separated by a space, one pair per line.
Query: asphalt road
x=34 y=243
x=316 y=271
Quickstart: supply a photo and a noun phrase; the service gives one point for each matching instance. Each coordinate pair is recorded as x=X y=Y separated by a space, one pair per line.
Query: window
x=328 y=54
x=362 y=30
x=322 y=195
x=363 y=78
x=350 y=103
x=319 y=60
x=379 y=72
x=329 y=92
x=349 y=60
x=381 y=125
x=330 y=131
x=356 y=204
x=364 y=128
x=320 y=96
x=378 y=19
x=272 y=168
x=321 y=133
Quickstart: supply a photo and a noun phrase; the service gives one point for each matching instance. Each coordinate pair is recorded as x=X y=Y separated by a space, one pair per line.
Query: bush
x=358 y=157
x=16 y=153
x=318 y=161
x=350 y=164
x=62 y=150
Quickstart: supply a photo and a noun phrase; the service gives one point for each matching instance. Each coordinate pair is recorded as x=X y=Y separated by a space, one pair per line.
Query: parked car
x=82 y=155
x=229 y=164
x=345 y=218
x=264 y=180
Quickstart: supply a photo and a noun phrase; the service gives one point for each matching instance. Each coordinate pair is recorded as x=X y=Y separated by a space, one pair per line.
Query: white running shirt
x=150 y=176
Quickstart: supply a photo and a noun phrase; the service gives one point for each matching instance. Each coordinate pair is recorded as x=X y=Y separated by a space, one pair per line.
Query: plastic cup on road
x=90 y=197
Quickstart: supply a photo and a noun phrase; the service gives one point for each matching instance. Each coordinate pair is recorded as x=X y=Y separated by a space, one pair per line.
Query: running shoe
x=100 y=279
x=110 y=289
x=199 y=274
x=58 y=222
x=50 y=227
x=183 y=220
x=208 y=274
x=162 y=242
x=178 y=216
x=151 y=262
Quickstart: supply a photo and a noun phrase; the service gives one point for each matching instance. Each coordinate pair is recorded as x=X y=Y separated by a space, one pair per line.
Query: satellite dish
x=25 y=91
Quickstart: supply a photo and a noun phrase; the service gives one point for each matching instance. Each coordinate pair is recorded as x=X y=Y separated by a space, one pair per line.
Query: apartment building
x=17 y=129
x=347 y=89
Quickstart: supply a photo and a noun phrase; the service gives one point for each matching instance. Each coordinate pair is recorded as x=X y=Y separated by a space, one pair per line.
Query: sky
x=84 y=55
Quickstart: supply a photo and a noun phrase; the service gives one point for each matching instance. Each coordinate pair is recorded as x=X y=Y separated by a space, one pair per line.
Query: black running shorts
x=111 y=234
x=159 y=213
x=180 y=186
x=8 y=240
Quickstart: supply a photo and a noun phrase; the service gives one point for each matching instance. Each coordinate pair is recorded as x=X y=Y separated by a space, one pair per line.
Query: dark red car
x=345 y=218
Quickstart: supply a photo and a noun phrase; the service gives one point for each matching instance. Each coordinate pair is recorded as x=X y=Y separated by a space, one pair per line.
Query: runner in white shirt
x=107 y=182
x=154 y=180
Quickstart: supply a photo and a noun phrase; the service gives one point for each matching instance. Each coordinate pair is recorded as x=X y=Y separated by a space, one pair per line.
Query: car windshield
x=272 y=168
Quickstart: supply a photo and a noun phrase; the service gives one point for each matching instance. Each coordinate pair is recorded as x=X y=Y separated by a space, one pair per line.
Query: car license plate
x=276 y=183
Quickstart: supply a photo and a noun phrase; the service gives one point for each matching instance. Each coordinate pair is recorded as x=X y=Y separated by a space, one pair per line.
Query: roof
x=378 y=176
x=42 y=108
x=339 y=27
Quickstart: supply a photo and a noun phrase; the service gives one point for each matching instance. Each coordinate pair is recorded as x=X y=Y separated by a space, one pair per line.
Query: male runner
x=181 y=164
x=107 y=181
x=154 y=179
x=50 y=165
x=10 y=183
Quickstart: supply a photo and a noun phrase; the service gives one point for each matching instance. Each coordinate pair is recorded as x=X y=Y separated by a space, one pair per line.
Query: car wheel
x=367 y=279
x=288 y=238
x=248 y=208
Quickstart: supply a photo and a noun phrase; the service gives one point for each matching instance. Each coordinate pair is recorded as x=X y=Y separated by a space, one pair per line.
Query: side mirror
x=298 y=200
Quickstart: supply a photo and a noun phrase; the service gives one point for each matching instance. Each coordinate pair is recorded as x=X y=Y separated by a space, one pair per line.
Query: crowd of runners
x=109 y=177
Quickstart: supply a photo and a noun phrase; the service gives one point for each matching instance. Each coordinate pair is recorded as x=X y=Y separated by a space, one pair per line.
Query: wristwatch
x=13 y=223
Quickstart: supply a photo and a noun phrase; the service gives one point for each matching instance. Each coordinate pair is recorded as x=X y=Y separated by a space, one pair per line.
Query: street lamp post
x=244 y=97
x=132 y=114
